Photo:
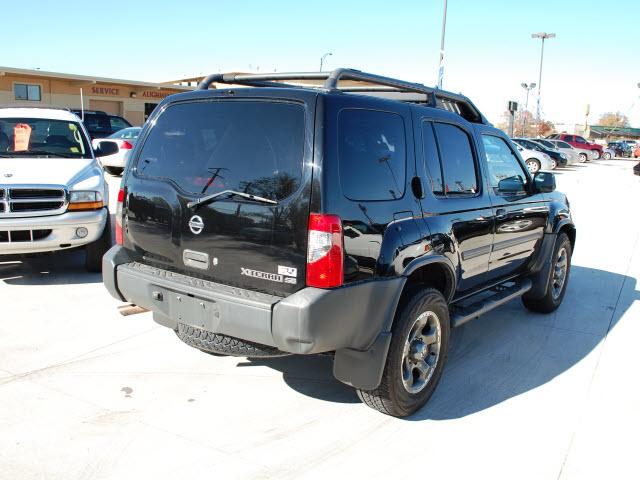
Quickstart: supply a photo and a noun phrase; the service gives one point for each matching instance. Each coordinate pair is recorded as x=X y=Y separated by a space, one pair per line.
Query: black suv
x=100 y=124
x=363 y=218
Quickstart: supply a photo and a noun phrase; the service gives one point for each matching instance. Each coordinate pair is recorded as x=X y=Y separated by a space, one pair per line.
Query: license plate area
x=194 y=311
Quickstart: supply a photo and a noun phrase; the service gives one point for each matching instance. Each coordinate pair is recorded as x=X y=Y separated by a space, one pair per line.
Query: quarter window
x=371 y=152
x=431 y=159
x=24 y=91
x=457 y=160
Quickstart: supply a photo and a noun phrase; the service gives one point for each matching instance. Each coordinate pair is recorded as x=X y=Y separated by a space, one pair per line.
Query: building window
x=27 y=92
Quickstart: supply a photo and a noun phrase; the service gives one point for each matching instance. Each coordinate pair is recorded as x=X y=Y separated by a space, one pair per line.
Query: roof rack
x=434 y=97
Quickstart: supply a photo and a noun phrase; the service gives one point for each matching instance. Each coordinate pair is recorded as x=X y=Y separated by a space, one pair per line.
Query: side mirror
x=545 y=182
x=511 y=186
x=106 y=147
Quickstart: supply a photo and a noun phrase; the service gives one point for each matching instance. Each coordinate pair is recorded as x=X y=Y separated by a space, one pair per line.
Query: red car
x=578 y=142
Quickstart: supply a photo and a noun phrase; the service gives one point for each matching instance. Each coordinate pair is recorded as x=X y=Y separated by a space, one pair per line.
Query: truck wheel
x=557 y=280
x=596 y=154
x=96 y=250
x=416 y=357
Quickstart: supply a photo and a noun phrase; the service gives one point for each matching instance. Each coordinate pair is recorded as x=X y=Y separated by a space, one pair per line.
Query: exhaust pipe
x=130 y=309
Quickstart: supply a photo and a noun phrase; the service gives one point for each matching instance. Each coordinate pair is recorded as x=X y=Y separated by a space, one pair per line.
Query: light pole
x=323 y=57
x=543 y=36
x=441 y=64
x=528 y=88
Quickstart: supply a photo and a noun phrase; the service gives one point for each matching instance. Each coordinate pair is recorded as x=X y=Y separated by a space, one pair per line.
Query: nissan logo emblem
x=196 y=225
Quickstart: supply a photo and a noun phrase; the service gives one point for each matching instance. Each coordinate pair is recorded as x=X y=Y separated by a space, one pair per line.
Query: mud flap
x=362 y=369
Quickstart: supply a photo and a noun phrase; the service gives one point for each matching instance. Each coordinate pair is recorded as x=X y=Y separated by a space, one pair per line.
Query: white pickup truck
x=53 y=195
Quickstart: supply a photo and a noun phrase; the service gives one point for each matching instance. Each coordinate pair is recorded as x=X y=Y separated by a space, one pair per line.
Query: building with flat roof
x=130 y=99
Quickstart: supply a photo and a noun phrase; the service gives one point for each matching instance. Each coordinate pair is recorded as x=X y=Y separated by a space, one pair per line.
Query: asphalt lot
x=88 y=394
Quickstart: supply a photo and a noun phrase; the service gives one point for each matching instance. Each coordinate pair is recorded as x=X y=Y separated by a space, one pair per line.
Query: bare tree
x=613 y=119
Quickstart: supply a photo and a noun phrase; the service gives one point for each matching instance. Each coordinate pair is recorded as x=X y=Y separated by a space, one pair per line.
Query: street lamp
x=528 y=88
x=543 y=36
x=323 y=57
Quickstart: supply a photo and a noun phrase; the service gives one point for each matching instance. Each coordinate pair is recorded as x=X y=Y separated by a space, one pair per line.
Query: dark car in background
x=556 y=155
x=100 y=124
x=621 y=148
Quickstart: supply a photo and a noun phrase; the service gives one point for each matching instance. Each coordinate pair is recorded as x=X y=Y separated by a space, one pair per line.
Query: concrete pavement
x=88 y=394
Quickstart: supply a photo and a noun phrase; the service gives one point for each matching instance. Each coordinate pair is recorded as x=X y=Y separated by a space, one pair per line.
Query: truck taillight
x=126 y=145
x=325 y=251
x=119 y=236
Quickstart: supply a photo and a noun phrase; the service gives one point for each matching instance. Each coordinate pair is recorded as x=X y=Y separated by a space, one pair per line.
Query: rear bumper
x=117 y=160
x=62 y=231
x=310 y=321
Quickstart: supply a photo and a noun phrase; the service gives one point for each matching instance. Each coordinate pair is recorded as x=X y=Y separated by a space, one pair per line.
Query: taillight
x=325 y=252
x=126 y=145
x=119 y=236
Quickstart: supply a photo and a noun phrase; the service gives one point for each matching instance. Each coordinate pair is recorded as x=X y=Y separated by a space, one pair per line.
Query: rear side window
x=246 y=146
x=371 y=152
x=456 y=156
x=118 y=123
x=97 y=123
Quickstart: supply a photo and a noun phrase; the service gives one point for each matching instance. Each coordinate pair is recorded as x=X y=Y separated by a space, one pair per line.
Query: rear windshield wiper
x=213 y=196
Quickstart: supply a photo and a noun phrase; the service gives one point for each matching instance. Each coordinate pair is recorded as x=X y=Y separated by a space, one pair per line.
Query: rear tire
x=96 y=250
x=596 y=154
x=416 y=356
x=556 y=281
x=607 y=156
x=583 y=157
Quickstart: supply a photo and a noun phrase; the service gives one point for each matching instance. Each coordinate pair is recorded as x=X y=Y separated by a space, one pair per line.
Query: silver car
x=570 y=153
x=583 y=154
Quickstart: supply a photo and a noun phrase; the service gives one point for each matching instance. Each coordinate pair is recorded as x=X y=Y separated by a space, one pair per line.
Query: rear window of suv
x=207 y=147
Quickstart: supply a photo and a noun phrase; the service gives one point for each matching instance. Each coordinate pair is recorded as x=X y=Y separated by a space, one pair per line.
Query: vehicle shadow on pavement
x=499 y=356
x=510 y=351
x=59 y=268
x=311 y=375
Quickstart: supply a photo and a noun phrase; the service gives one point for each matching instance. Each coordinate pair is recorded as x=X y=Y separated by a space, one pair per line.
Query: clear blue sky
x=595 y=58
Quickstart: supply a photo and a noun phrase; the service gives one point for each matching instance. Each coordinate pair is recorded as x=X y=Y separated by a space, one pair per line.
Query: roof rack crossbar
x=435 y=97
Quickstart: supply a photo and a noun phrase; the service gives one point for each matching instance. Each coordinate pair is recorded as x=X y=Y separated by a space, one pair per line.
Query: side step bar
x=461 y=315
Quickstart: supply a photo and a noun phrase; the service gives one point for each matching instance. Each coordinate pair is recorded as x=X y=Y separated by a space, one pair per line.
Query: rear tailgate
x=205 y=146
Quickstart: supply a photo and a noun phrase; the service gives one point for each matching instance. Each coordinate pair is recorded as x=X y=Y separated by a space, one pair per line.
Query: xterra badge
x=271 y=277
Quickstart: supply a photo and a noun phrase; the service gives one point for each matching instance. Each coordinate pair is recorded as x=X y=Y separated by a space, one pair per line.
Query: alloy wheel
x=421 y=352
x=559 y=273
